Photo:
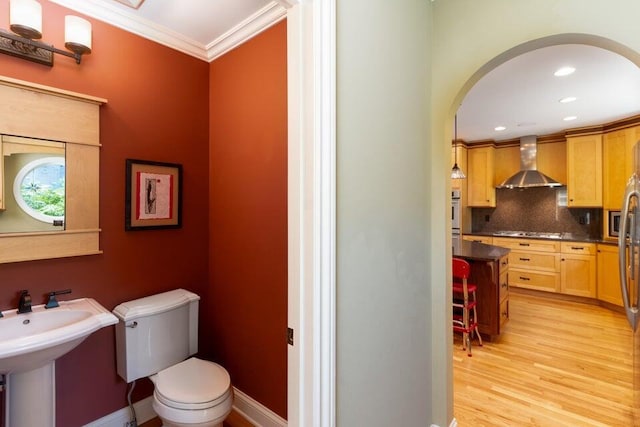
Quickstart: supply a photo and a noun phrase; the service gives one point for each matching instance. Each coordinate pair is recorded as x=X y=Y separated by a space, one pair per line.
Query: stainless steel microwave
x=614 y=223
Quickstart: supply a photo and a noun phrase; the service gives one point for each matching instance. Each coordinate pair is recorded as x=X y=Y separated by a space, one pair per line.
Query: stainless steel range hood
x=529 y=176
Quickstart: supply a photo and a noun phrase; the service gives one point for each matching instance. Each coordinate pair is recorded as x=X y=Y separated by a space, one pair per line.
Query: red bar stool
x=465 y=316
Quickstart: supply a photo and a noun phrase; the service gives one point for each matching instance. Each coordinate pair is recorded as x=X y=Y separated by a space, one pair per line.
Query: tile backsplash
x=541 y=209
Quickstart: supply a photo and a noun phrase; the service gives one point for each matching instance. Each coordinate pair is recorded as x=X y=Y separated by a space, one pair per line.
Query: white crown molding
x=269 y=15
x=288 y=3
x=133 y=3
x=104 y=11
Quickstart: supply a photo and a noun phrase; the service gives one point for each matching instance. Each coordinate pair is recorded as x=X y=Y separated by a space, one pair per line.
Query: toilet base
x=211 y=417
x=191 y=425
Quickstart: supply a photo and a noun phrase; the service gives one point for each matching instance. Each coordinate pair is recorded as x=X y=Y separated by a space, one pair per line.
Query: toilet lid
x=194 y=382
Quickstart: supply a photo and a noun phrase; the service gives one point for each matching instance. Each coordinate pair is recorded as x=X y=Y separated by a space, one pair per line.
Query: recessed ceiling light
x=564 y=71
x=499 y=128
x=568 y=99
x=569 y=118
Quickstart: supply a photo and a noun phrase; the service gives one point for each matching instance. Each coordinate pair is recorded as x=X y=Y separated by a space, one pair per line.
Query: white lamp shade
x=77 y=34
x=25 y=18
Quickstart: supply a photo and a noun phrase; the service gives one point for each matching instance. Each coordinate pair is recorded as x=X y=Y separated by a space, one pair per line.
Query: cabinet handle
x=524 y=278
x=577 y=248
x=524 y=244
x=525 y=259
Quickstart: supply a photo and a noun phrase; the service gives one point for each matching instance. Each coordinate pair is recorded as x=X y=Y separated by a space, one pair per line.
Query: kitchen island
x=489 y=271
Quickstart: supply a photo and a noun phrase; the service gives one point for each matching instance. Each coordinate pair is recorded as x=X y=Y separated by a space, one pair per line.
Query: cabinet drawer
x=488 y=240
x=504 y=285
x=527 y=244
x=578 y=248
x=543 y=281
x=535 y=261
x=504 y=311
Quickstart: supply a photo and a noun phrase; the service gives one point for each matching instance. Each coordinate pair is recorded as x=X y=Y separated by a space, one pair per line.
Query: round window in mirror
x=39 y=189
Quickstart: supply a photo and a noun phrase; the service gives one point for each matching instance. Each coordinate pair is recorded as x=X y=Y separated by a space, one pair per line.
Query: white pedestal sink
x=29 y=345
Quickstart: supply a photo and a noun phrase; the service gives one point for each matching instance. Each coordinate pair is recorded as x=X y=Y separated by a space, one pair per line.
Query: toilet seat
x=193 y=384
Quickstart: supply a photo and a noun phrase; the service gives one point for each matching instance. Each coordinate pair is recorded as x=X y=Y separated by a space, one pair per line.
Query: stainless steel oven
x=455 y=211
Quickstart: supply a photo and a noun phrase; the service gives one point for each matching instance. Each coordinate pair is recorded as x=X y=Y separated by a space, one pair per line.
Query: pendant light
x=456 y=172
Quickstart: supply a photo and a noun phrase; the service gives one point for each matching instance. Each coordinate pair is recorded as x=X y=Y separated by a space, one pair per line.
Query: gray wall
x=383 y=319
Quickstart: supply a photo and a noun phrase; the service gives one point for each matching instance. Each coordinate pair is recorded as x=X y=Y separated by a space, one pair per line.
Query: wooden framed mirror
x=53 y=122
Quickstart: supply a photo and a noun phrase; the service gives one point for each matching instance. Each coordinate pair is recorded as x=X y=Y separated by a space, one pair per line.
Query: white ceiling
x=204 y=29
x=523 y=95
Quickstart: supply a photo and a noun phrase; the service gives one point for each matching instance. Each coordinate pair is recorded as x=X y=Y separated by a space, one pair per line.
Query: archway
x=555 y=40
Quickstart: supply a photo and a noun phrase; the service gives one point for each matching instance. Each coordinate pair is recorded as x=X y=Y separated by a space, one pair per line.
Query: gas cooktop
x=538 y=234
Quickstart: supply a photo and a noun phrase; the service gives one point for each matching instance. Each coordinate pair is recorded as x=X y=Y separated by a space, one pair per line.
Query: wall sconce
x=25 y=21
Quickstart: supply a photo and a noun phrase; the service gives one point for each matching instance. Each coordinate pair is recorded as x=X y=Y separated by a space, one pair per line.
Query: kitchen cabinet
x=617 y=164
x=552 y=160
x=551 y=266
x=578 y=269
x=490 y=272
x=534 y=264
x=584 y=171
x=487 y=240
x=507 y=163
x=480 y=183
x=608 y=281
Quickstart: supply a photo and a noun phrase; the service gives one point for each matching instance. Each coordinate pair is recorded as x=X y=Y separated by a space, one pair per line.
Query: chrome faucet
x=24 y=305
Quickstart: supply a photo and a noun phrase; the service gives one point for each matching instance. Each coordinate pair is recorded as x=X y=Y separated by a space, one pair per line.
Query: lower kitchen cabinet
x=578 y=269
x=608 y=286
x=534 y=264
x=551 y=266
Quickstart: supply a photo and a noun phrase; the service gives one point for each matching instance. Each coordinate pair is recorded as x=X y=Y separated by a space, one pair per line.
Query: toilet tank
x=155 y=332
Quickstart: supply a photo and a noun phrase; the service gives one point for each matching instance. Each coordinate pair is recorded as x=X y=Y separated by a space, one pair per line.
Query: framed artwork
x=153 y=195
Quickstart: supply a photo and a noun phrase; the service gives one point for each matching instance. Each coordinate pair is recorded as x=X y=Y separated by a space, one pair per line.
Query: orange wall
x=248 y=211
x=157 y=110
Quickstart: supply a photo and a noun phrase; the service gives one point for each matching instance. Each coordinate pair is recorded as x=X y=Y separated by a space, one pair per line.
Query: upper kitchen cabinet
x=552 y=160
x=584 y=171
x=507 y=163
x=617 y=164
x=480 y=184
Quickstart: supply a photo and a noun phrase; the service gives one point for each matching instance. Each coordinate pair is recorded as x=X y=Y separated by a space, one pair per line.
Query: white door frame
x=311 y=53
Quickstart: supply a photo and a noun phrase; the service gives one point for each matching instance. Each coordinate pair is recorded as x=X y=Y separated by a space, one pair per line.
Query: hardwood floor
x=558 y=363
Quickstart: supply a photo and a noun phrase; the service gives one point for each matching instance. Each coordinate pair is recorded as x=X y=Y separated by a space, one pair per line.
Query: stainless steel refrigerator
x=629 y=260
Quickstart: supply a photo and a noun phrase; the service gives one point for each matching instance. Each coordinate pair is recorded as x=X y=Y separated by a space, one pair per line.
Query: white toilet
x=155 y=338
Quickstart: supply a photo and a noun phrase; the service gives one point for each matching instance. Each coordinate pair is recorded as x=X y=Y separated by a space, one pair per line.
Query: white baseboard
x=244 y=405
x=454 y=423
x=144 y=412
x=255 y=412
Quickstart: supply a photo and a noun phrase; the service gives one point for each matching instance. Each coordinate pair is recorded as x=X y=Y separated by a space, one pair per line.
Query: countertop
x=566 y=237
x=478 y=251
